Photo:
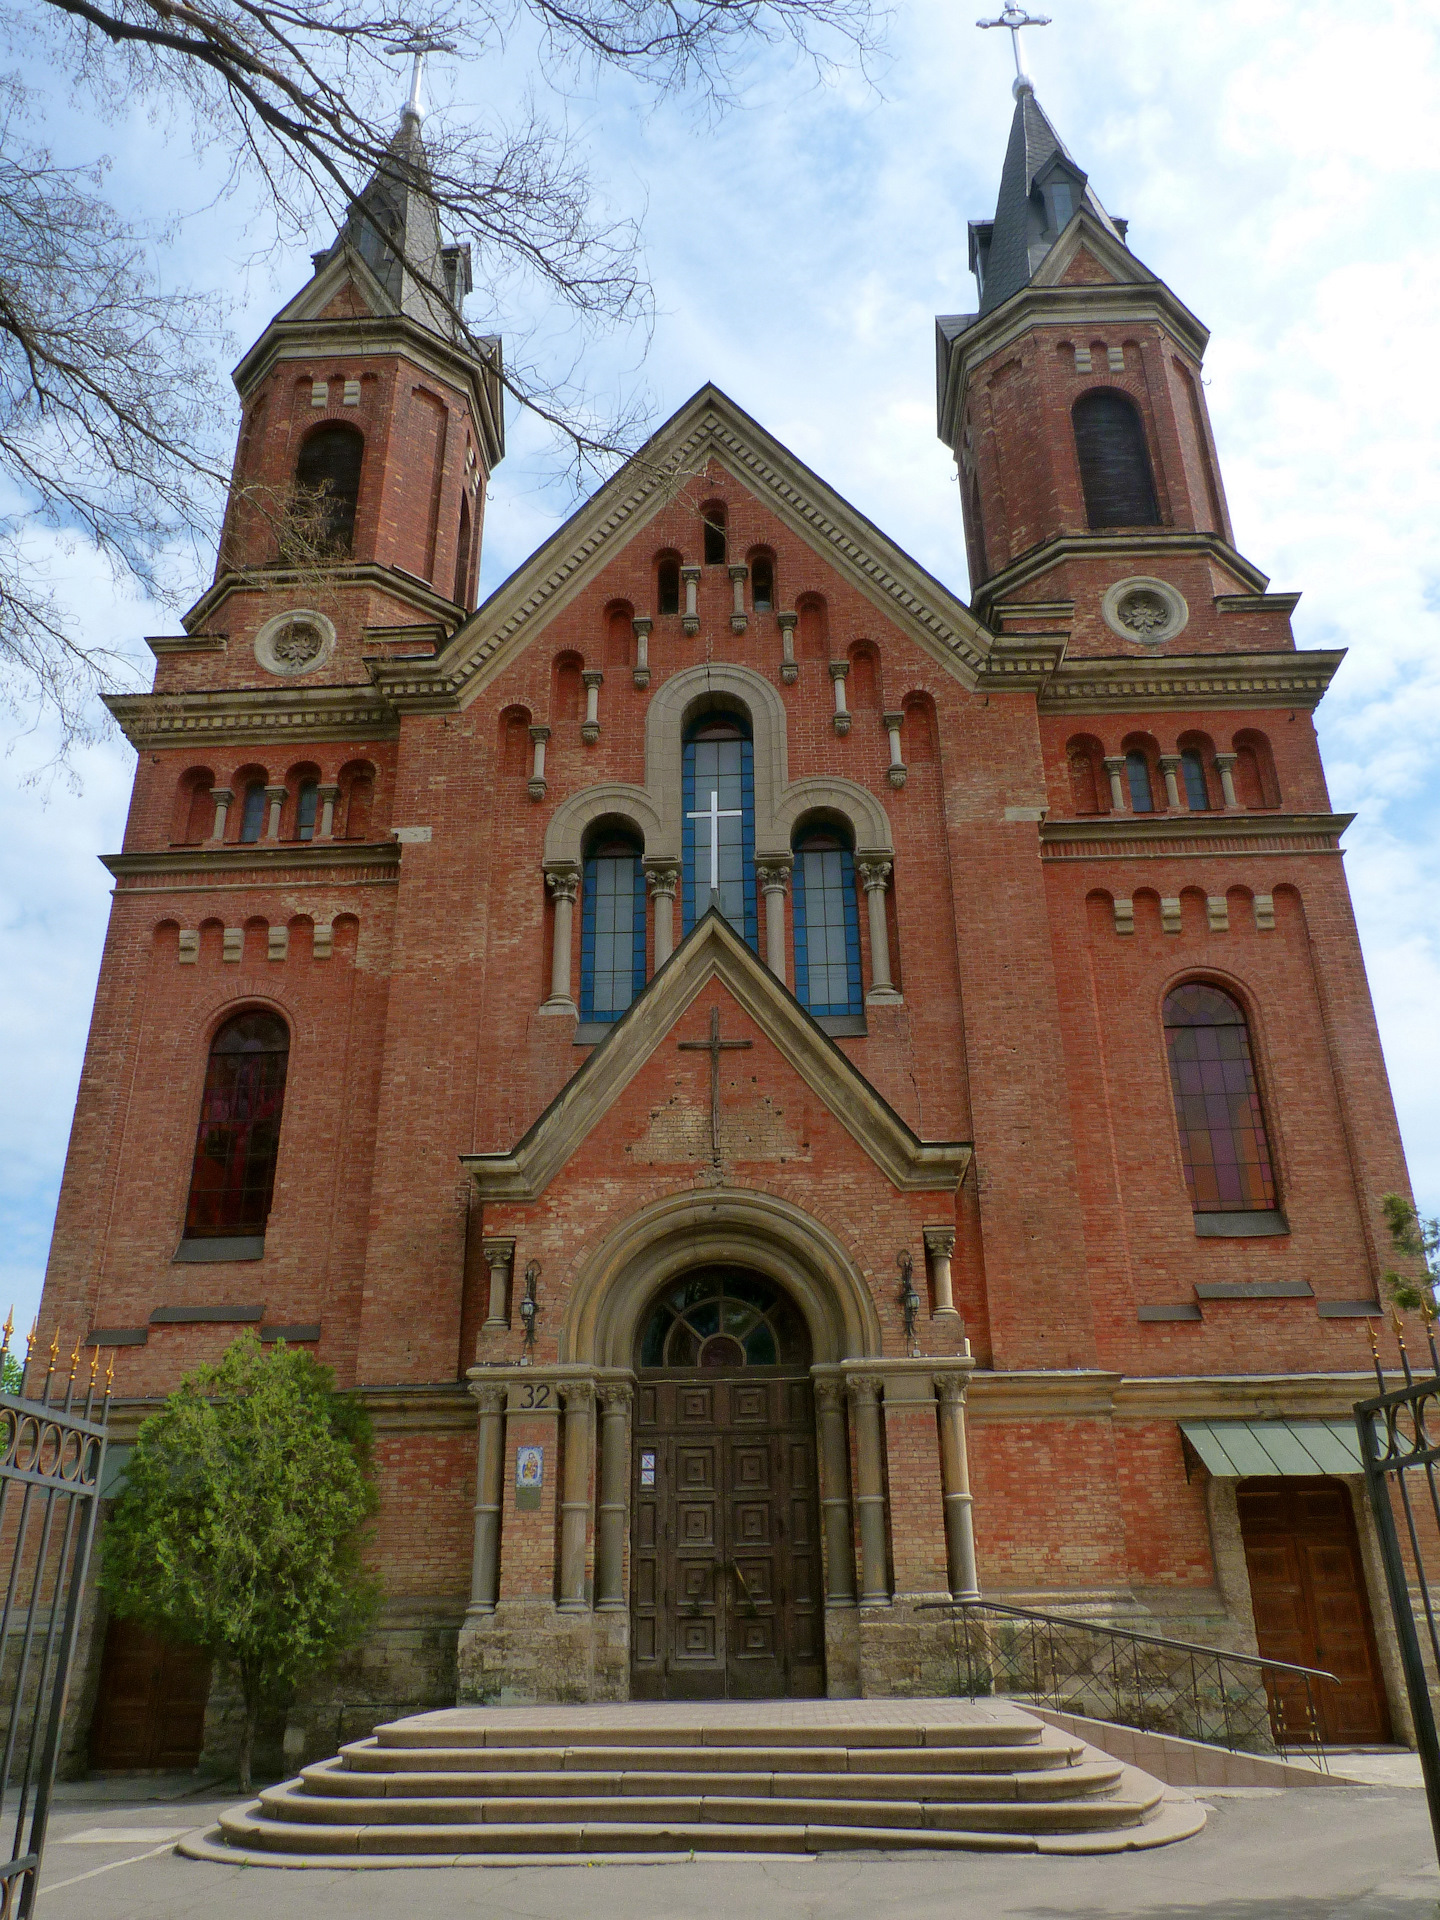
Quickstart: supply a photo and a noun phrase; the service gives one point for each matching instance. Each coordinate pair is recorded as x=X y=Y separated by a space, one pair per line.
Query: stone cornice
x=709 y=427
x=257 y=864
x=239 y=716
x=1128 y=548
x=1118 y=1396
x=1191 y=835
x=713 y=950
x=306 y=582
x=1192 y=681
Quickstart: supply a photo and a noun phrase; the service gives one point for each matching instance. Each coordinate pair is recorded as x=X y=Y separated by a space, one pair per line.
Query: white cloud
x=1276 y=160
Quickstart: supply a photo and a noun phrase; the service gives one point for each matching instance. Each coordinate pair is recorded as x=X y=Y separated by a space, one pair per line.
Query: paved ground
x=1364 y=1853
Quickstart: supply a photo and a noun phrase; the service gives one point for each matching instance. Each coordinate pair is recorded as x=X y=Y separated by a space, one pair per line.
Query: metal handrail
x=1058 y=1689
x=1132 y=1633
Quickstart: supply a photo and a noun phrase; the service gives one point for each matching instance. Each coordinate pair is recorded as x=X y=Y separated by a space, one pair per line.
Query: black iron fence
x=1400 y=1445
x=1134 y=1679
x=52 y=1456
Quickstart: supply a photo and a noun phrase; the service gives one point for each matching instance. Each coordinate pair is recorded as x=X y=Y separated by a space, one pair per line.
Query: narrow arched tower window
x=252 y=817
x=238 y=1141
x=462 y=557
x=667 y=583
x=1223 y=1143
x=327 y=477
x=827 y=927
x=612 y=930
x=1114 y=461
x=714 y=517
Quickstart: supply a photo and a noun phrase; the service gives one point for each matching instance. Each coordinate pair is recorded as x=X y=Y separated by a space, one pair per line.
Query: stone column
x=789 y=669
x=1225 y=767
x=738 y=576
x=535 y=786
x=773 y=876
x=329 y=794
x=690 y=619
x=869 y=1490
x=563 y=880
x=835 y=1493
x=640 y=672
x=897 y=772
x=662 y=877
x=1114 y=764
x=875 y=874
x=489 y=1486
x=955 y=1484
x=590 y=727
x=579 y=1399
x=276 y=797
x=222 y=796
x=940 y=1244
x=1170 y=764
x=839 y=672
x=614 y=1396
x=499 y=1257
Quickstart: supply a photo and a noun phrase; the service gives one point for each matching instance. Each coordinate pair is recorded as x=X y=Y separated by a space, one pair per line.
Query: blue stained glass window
x=719 y=809
x=252 y=819
x=612 y=932
x=827 y=929
x=1196 y=791
x=1137 y=772
x=1223 y=1145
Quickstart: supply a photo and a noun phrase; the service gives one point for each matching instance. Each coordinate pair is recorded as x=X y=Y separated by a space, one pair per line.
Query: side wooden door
x=150 y=1710
x=1307 y=1586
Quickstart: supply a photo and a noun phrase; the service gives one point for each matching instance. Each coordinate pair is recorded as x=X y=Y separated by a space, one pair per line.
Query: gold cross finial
x=1017 y=19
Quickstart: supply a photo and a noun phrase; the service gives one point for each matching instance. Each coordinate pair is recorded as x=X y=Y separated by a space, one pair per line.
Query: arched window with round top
x=238 y=1141
x=612 y=928
x=827 y=926
x=1114 y=461
x=1223 y=1143
x=718 y=843
x=327 y=476
x=723 y=1317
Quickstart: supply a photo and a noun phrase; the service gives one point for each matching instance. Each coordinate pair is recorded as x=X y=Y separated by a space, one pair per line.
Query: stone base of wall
x=526 y=1652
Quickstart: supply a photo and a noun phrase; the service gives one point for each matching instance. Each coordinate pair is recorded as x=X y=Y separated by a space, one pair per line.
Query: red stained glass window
x=239 y=1134
x=1217 y=1104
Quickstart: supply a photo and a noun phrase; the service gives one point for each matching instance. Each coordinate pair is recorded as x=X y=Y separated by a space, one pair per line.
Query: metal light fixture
x=529 y=1311
x=909 y=1298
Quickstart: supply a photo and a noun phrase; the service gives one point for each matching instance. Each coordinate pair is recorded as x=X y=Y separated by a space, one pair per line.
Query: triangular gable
x=343 y=269
x=713 y=950
x=708 y=427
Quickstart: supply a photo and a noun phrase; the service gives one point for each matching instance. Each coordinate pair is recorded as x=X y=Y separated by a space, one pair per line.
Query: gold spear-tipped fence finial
x=7 y=1330
x=31 y=1338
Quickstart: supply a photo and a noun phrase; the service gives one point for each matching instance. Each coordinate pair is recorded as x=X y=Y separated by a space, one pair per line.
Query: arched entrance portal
x=725 y=1589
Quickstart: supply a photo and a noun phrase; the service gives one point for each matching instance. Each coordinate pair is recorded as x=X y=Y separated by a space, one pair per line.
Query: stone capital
x=614 y=1393
x=865 y=1386
x=224 y=795
x=539 y=733
x=1114 y=763
x=592 y=677
x=839 y=669
x=892 y=722
x=662 y=877
x=578 y=1395
x=563 y=882
x=739 y=571
x=498 y=1253
x=874 y=874
x=950 y=1389
x=1221 y=760
x=276 y=793
x=773 y=876
x=1171 y=762
x=489 y=1395
x=939 y=1241
x=642 y=625
x=829 y=1395
x=691 y=573
x=784 y=620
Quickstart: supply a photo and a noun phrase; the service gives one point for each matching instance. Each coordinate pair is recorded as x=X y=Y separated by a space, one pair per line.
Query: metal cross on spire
x=1017 y=19
x=417 y=48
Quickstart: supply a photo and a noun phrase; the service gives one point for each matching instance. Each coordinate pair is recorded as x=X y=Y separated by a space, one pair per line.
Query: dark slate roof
x=395 y=228
x=1019 y=238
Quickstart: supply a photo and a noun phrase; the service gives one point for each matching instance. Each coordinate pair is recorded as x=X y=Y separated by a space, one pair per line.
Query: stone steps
x=649 y=1781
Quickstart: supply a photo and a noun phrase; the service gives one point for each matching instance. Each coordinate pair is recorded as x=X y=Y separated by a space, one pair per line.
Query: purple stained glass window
x=239 y=1135
x=1217 y=1104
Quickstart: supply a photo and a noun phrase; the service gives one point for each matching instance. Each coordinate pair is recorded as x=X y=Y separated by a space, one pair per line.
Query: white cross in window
x=715 y=813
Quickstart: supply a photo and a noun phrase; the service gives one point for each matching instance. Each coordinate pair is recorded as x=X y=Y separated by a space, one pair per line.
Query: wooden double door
x=1307 y=1587
x=726 y=1599
x=150 y=1710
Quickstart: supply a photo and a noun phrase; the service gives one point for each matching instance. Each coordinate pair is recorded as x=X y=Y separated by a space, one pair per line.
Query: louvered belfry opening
x=1114 y=462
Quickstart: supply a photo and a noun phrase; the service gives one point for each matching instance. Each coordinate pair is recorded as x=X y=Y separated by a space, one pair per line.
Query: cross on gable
x=714 y=1046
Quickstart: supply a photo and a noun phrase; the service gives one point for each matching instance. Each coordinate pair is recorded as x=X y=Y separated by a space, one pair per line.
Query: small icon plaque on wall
x=647 y=1469
x=529 y=1477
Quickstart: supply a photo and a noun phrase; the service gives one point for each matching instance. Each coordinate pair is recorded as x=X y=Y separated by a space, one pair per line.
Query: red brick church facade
x=435 y=1031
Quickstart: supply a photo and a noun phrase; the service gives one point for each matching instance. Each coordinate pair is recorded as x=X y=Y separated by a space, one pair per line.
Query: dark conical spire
x=395 y=228
x=1041 y=191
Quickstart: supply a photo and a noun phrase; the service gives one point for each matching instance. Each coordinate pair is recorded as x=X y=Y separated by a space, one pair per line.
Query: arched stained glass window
x=239 y=1135
x=306 y=807
x=1217 y=1103
x=719 y=838
x=1137 y=776
x=724 y=1317
x=1197 y=794
x=827 y=927
x=612 y=930
x=252 y=818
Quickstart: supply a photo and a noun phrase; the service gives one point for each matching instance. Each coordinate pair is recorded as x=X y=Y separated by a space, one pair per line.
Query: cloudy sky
x=1277 y=163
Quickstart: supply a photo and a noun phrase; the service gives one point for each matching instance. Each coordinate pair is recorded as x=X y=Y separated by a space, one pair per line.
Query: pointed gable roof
x=1006 y=253
x=713 y=950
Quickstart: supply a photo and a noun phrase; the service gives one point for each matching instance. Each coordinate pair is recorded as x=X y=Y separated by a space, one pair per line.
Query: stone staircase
x=506 y=1785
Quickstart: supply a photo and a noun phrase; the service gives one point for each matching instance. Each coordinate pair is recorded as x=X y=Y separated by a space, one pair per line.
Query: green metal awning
x=1238 y=1449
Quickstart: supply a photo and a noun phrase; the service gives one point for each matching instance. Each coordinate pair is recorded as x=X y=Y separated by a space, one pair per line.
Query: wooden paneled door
x=725 y=1548
x=1307 y=1585
x=150 y=1711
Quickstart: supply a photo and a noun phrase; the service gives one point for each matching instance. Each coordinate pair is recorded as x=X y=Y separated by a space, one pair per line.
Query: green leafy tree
x=1419 y=1241
x=242 y=1522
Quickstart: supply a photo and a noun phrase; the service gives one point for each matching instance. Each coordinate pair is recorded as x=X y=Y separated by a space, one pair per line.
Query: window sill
x=1240 y=1226
x=838 y=1025
x=238 y=1246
